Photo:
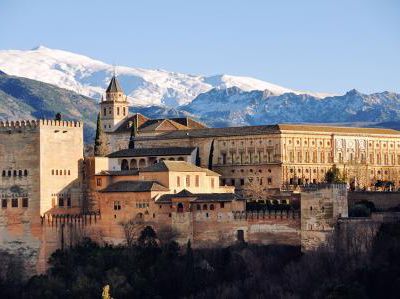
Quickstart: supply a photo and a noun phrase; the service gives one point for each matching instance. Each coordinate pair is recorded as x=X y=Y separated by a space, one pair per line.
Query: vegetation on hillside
x=152 y=269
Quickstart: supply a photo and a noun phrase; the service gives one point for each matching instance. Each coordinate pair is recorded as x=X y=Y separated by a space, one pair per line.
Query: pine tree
x=100 y=142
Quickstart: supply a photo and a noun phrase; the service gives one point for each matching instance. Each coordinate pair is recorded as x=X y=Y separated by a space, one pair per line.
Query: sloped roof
x=216 y=132
x=178 y=166
x=159 y=151
x=266 y=129
x=134 y=186
x=199 y=197
x=119 y=172
x=114 y=85
x=334 y=129
x=161 y=124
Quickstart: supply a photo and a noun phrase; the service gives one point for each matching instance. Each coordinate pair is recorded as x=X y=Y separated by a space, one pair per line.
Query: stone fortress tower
x=115 y=107
x=39 y=175
x=321 y=207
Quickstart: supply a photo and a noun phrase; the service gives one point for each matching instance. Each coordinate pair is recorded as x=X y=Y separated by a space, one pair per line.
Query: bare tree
x=255 y=190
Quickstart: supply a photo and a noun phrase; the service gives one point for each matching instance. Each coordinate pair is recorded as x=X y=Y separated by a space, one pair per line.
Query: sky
x=323 y=45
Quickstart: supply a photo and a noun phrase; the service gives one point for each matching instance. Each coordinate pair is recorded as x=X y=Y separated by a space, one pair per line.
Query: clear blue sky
x=320 y=45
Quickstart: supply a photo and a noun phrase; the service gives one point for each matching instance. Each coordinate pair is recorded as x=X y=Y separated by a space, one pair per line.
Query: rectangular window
x=117 y=205
x=4 y=203
x=124 y=111
x=109 y=110
x=69 y=201
x=178 y=181
x=104 y=112
x=98 y=182
x=188 y=180
x=117 y=110
x=222 y=205
x=25 y=202
x=60 y=202
x=269 y=180
x=241 y=182
x=14 y=202
x=212 y=183
x=52 y=172
x=197 y=181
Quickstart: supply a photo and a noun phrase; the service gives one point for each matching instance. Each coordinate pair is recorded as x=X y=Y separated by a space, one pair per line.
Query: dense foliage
x=149 y=269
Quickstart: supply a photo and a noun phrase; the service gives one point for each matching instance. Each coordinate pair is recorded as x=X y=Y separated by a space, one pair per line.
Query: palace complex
x=182 y=178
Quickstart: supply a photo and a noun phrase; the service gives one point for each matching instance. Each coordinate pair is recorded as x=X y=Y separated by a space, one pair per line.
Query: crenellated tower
x=115 y=106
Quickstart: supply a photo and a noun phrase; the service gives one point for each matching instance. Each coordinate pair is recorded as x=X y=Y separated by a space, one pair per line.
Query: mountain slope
x=237 y=107
x=144 y=87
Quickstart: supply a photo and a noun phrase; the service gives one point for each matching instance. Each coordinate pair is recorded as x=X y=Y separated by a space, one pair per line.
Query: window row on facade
x=243 y=158
x=14 y=202
x=118 y=111
x=242 y=181
x=188 y=181
x=60 y=172
x=15 y=173
x=127 y=164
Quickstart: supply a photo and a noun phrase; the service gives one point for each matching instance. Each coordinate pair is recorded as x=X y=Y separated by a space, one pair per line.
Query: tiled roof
x=216 y=132
x=178 y=166
x=119 y=172
x=333 y=129
x=134 y=186
x=159 y=151
x=114 y=86
x=199 y=197
x=266 y=129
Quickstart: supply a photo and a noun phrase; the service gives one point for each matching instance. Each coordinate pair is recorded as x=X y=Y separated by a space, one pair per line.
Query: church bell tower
x=114 y=108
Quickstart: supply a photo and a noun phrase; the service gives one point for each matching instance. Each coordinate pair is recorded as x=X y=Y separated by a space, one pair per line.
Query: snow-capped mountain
x=144 y=87
x=234 y=106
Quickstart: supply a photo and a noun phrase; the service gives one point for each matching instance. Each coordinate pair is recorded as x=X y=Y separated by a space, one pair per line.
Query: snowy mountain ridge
x=144 y=87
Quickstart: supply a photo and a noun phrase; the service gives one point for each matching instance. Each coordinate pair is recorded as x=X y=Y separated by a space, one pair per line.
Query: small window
x=9 y=173
x=25 y=202
x=198 y=207
x=60 y=202
x=197 y=181
x=19 y=172
x=52 y=172
x=4 y=203
x=117 y=110
x=4 y=173
x=212 y=182
x=222 y=205
x=117 y=205
x=124 y=111
x=69 y=172
x=188 y=180
x=204 y=207
x=15 y=173
x=178 y=181
x=69 y=201
x=56 y=171
x=98 y=182
x=14 y=202
x=104 y=111
x=65 y=172
x=211 y=207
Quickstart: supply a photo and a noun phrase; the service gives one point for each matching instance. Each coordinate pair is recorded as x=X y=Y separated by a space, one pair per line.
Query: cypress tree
x=133 y=133
x=210 y=157
x=100 y=144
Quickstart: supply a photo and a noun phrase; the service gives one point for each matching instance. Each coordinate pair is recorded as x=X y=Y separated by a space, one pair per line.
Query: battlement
x=34 y=123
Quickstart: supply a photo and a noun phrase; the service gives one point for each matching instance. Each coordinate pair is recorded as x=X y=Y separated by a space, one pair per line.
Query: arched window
x=180 y=208
x=124 y=164
x=9 y=173
x=204 y=207
x=198 y=207
x=69 y=172
x=171 y=159
x=104 y=111
x=181 y=159
x=4 y=173
x=142 y=163
x=211 y=207
x=20 y=172
x=133 y=164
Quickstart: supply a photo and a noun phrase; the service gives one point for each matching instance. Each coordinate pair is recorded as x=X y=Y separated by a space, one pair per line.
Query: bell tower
x=115 y=106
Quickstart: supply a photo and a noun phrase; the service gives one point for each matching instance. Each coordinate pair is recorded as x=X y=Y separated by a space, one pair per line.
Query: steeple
x=114 y=85
x=115 y=107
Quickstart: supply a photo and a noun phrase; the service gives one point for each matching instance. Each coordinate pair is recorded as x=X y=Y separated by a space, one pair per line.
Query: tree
x=100 y=142
x=254 y=190
x=148 y=237
x=333 y=176
x=106 y=292
x=134 y=129
x=211 y=155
